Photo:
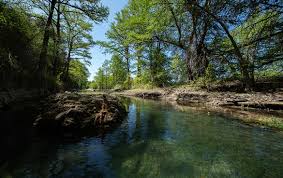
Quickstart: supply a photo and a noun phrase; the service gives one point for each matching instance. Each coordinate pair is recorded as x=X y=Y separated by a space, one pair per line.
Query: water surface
x=157 y=140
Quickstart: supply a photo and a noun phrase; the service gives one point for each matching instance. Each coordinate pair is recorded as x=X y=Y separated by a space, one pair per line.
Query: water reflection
x=156 y=140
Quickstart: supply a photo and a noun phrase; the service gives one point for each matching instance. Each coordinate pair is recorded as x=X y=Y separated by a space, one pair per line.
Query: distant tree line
x=46 y=43
x=169 y=42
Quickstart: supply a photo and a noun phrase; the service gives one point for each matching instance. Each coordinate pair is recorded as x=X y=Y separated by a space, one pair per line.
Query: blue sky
x=98 y=33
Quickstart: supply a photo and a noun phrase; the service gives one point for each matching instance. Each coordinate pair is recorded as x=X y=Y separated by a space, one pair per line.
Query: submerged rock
x=77 y=113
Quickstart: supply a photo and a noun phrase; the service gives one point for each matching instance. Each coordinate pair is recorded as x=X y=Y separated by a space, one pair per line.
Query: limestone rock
x=77 y=113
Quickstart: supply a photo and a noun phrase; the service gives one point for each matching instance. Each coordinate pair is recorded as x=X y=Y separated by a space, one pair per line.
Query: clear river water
x=157 y=140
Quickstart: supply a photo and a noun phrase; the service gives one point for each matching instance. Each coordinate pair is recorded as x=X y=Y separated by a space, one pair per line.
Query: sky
x=98 y=33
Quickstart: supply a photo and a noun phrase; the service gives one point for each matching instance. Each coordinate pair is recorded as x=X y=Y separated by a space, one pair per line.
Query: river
x=155 y=140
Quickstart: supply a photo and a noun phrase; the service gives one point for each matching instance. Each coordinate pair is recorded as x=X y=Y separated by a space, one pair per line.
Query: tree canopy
x=47 y=41
x=153 y=43
x=178 y=41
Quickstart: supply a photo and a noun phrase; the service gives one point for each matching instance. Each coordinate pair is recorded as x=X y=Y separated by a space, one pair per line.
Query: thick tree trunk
x=202 y=62
x=196 y=60
x=196 y=64
x=42 y=67
x=188 y=66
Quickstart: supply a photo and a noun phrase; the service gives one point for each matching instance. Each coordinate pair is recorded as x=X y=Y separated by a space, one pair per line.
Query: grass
x=273 y=122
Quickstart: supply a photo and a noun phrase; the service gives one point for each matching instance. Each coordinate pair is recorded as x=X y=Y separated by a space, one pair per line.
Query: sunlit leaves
x=78 y=74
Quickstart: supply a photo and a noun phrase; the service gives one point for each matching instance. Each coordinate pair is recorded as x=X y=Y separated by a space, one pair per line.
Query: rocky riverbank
x=272 y=101
x=73 y=113
x=256 y=108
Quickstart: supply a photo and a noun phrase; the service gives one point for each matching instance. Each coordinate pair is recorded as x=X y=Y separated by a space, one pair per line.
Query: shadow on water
x=16 y=128
x=157 y=140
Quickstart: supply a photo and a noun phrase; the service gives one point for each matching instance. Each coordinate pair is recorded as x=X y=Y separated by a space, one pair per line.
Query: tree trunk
x=66 y=75
x=188 y=66
x=42 y=68
x=196 y=60
x=138 y=63
x=127 y=54
x=58 y=41
x=190 y=50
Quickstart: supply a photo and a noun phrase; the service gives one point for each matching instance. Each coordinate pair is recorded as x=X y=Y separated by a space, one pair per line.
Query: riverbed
x=156 y=139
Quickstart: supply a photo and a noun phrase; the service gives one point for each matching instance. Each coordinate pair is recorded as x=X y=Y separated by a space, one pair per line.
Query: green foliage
x=207 y=80
x=270 y=72
x=42 y=42
x=98 y=82
x=210 y=73
x=112 y=74
x=78 y=75
x=172 y=42
x=154 y=43
x=17 y=48
x=118 y=71
x=78 y=37
x=178 y=70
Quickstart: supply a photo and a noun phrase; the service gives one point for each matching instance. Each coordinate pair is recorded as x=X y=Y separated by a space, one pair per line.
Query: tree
x=99 y=79
x=118 y=71
x=178 y=70
x=118 y=43
x=91 y=9
x=78 y=75
x=67 y=23
x=78 y=40
x=18 y=47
